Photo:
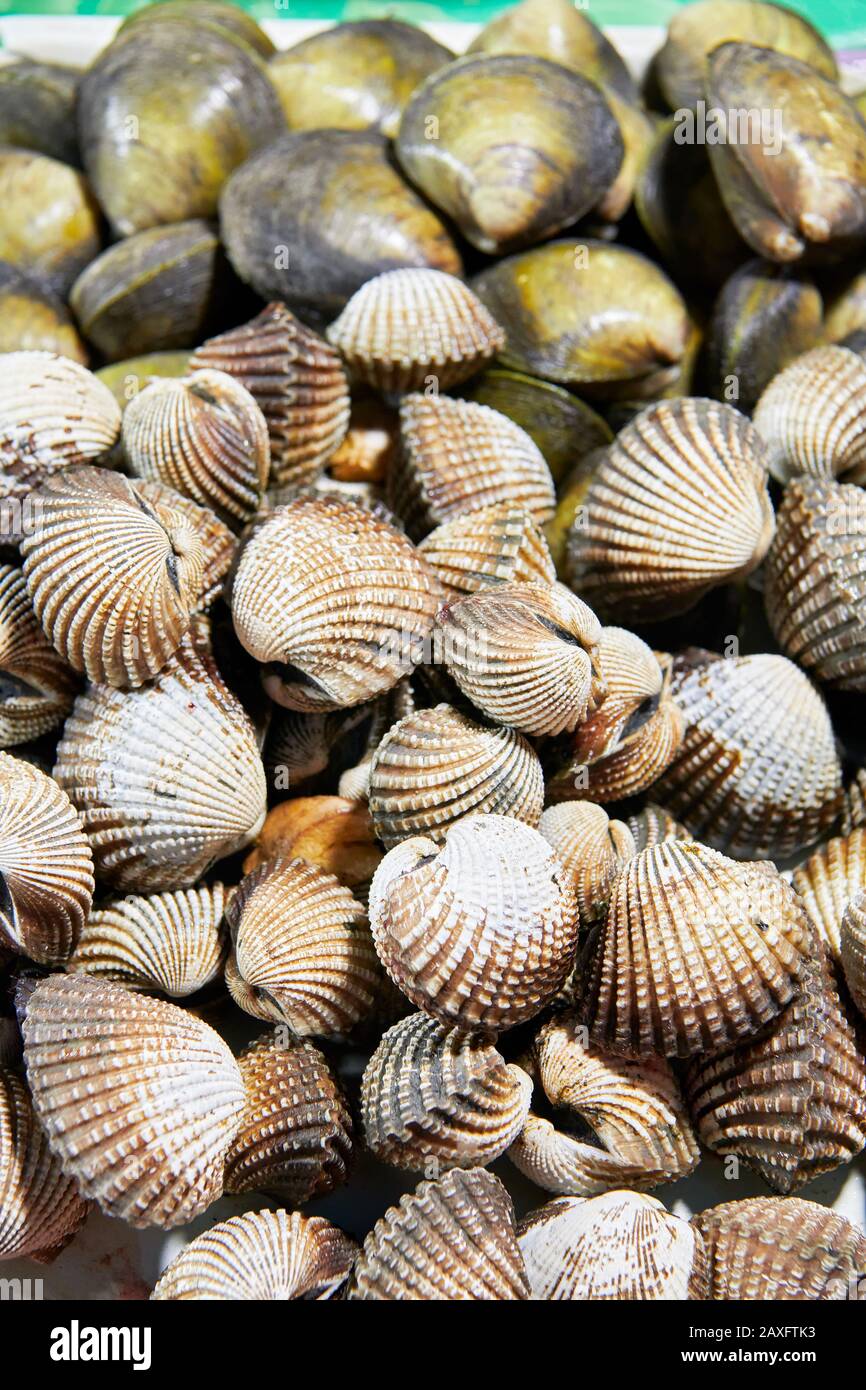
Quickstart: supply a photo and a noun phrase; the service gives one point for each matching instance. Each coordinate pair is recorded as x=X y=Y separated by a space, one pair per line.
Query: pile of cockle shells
x=432 y=638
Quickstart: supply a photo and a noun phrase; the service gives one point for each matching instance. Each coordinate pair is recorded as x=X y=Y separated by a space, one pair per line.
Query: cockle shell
x=217 y=541
x=295 y=1137
x=437 y=765
x=526 y=655
x=46 y=867
x=388 y=710
x=811 y=416
x=203 y=435
x=404 y=328
x=481 y=931
x=827 y=882
x=457 y=457
x=329 y=831
x=652 y=825
x=500 y=543
x=300 y=743
x=781 y=1248
x=139 y=1099
x=298 y=382
x=678 y=504
x=270 y=1256
x=636 y=1130
x=40 y=1207
x=854 y=809
x=696 y=953
x=853 y=949
x=591 y=848
x=36 y=685
x=170 y=942
x=452 y=1239
x=757 y=774
x=302 y=952
x=620 y=1245
x=334 y=601
x=370 y=446
x=433 y=1095
x=166 y=778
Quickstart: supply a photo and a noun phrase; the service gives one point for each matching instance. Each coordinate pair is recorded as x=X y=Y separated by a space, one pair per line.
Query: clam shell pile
x=432 y=650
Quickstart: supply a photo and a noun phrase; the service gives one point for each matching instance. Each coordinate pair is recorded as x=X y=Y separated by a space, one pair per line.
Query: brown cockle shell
x=329 y=831
x=497 y=544
x=811 y=416
x=591 y=847
x=854 y=810
x=139 y=1099
x=217 y=541
x=828 y=881
x=36 y=685
x=652 y=825
x=40 y=1207
x=853 y=949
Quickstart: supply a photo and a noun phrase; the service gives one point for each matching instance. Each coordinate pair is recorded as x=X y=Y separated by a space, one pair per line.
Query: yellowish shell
x=829 y=880
x=591 y=848
x=36 y=685
x=811 y=416
x=329 y=831
x=853 y=948
x=500 y=543
x=40 y=1207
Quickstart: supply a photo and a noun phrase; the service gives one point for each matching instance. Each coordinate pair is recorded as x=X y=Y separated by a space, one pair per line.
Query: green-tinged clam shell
x=556 y=29
x=31 y=318
x=572 y=495
x=127 y=378
x=845 y=308
x=37 y=107
x=637 y=129
x=563 y=427
x=231 y=18
x=50 y=224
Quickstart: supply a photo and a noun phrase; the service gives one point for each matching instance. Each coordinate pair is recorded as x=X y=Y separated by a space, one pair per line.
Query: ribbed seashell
x=170 y=942
x=781 y=1248
x=636 y=1130
x=300 y=744
x=301 y=950
x=262 y=1256
x=112 y=579
x=457 y=457
x=757 y=774
x=481 y=931
x=296 y=1135
x=678 y=504
x=217 y=541
x=40 y=1207
x=36 y=685
x=450 y=1240
x=827 y=882
x=334 y=601
x=591 y=848
x=298 y=382
x=697 y=952
x=407 y=327
x=652 y=825
x=387 y=710
x=792 y=1104
x=815 y=580
x=433 y=1095
x=526 y=655
x=854 y=810
x=46 y=867
x=139 y=1099
x=203 y=435
x=853 y=949
x=619 y=1245
x=167 y=778
x=497 y=544
x=437 y=765
x=329 y=831
x=811 y=416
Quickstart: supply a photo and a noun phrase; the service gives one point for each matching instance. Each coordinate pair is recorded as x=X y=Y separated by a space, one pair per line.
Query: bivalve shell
x=811 y=416
x=591 y=847
x=36 y=685
x=330 y=831
x=497 y=544
x=853 y=949
x=828 y=881
x=217 y=541
x=40 y=1207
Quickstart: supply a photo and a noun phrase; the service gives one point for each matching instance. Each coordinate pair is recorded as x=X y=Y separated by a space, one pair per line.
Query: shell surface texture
x=853 y=949
x=811 y=416
x=496 y=544
x=36 y=685
x=40 y=1206
x=829 y=880
x=591 y=847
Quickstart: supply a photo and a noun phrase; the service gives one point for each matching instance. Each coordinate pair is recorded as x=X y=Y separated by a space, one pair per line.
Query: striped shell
x=218 y=542
x=457 y=457
x=334 y=601
x=854 y=810
x=139 y=1099
x=262 y=1256
x=204 y=436
x=298 y=382
x=301 y=950
x=479 y=932
x=450 y=1240
x=697 y=952
x=811 y=416
x=678 y=504
x=113 y=580
x=437 y=765
x=782 y=1248
x=591 y=848
x=170 y=942
x=295 y=1137
x=329 y=831
x=46 y=867
x=300 y=744
x=526 y=655
x=652 y=825
x=433 y=1098
x=40 y=1208
x=500 y=543
x=36 y=685
x=853 y=949
x=829 y=880
x=407 y=327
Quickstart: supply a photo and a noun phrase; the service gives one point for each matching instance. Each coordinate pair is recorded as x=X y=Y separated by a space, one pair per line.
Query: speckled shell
x=296 y=1135
x=139 y=1099
x=36 y=685
x=591 y=848
x=297 y=380
x=781 y=1248
x=40 y=1207
x=449 y=1240
x=526 y=655
x=338 y=596
x=495 y=544
x=696 y=953
x=480 y=932
x=46 y=867
x=437 y=765
x=811 y=416
x=757 y=774
x=167 y=778
x=620 y=1245
x=433 y=1095
x=827 y=882
x=171 y=942
x=217 y=541
x=457 y=457
x=302 y=952
x=678 y=504
x=853 y=949
x=263 y=1256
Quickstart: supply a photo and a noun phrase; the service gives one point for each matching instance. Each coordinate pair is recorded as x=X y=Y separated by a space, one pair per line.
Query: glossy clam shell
x=36 y=685
x=238 y=24
x=449 y=1240
x=37 y=107
x=51 y=225
x=332 y=832
x=853 y=949
x=496 y=544
x=828 y=881
x=555 y=29
x=32 y=318
x=591 y=848
x=139 y=1099
x=564 y=427
x=811 y=416
x=40 y=1207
